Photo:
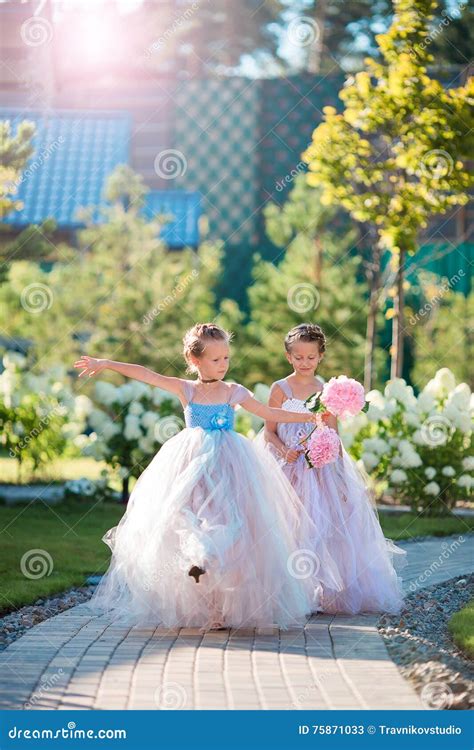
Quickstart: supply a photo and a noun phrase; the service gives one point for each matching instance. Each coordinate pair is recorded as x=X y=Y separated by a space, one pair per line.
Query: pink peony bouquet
x=341 y=396
x=323 y=447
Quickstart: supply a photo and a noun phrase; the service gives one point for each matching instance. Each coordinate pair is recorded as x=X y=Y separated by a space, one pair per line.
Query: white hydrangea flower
x=370 y=460
x=105 y=393
x=460 y=397
x=376 y=445
x=468 y=463
x=97 y=419
x=374 y=413
x=409 y=458
x=136 y=408
x=145 y=445
x=431 y=489
x=149 y=419
x=132 y=428
x=394 y=441
x=397 y=389
x=442 y=383
x=12 y=360
x=261 y=392
x=448 y=471
x=398 y=476
x=425 y=403
x=82 y=406
x=390 y=408
x=430 y=472
x=465 y=480
x=109 y=430
x=418 y=438
x=376 y=398
x=412 y=419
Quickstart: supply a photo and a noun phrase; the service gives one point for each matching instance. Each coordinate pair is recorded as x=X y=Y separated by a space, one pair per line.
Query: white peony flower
x=398 y=476
x=431 y=489
x=430 y=472
x=448 y=471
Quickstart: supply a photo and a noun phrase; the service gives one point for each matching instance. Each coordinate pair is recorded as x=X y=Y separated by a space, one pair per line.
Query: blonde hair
x=196 y=338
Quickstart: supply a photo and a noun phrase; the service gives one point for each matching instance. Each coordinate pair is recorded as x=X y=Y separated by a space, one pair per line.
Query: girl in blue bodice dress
x=213 y=535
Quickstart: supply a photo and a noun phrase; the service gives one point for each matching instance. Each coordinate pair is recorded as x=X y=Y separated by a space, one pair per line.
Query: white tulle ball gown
x=212 y=498
x=337 y=498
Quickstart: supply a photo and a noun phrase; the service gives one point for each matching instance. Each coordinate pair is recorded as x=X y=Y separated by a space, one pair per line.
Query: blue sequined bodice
x=209 y=416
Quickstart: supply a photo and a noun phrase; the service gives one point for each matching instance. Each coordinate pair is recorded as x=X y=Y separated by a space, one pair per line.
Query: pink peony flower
x=343 y=396
x=323 y=447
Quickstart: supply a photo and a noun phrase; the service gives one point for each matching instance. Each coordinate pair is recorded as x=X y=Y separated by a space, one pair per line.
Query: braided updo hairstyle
x=306 y=332
x=196 y=338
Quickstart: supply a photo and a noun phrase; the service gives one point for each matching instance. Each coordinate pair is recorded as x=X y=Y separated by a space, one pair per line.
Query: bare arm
x=276 y=415
x=92 y=366
x=270 y=432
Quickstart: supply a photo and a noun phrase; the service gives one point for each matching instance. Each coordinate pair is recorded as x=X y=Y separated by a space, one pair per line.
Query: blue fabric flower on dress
x=220 y=421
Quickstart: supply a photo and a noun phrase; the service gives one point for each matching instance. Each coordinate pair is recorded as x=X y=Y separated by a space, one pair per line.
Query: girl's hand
x=291 y=455
x=310 y=417
x=91 y=365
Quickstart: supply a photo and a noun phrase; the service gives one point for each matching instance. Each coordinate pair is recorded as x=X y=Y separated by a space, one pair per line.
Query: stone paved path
x=75 y=661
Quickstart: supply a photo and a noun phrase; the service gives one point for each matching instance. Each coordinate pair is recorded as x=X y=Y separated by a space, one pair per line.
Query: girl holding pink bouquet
x=210 y=509
x=333 y=490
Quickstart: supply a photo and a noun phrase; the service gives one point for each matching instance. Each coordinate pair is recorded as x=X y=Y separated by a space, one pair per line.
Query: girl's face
x=304 y=357
x=214 y=361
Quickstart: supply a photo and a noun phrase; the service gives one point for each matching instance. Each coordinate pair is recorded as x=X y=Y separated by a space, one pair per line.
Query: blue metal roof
x=75 y=152
x=185 y=206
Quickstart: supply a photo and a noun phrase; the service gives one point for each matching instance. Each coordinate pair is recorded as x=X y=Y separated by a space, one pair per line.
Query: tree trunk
x=315 y=51
x=318 y=266
x=370 y=338
x=125 y=495
x=398 y=322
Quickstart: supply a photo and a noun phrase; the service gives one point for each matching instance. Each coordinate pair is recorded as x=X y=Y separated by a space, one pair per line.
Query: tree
x=14 y=154
x=284 y=295
x=396 y=154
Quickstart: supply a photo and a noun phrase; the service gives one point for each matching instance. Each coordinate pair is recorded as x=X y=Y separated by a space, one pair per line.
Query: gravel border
x=420 y=644
x=14 y=624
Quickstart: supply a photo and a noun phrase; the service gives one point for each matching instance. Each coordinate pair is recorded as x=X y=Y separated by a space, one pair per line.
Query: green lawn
x=407 y=525
x=461 y=627
x=70 y=533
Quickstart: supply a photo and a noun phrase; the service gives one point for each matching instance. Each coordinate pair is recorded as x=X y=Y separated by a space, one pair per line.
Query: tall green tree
x=396 y=154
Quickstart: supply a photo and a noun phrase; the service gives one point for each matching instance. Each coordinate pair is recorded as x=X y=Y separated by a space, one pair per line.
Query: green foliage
x=442 y=332
x=39 y=416
x=14 y=154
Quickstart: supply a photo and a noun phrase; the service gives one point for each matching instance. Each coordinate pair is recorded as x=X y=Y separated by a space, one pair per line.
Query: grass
x=57 y=471
x=461 y=627
x=70 y=533
x=408 y=525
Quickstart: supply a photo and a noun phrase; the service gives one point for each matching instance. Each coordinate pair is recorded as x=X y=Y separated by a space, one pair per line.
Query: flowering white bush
x=39 y=414
x=97 y=489
x=129 y=423
x=421 y=445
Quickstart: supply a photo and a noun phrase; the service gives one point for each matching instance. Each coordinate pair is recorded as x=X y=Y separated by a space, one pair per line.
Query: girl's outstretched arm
x=275 y=415
x=92 y=366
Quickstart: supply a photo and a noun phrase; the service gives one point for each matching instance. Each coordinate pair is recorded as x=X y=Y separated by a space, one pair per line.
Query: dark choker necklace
x=212 y=380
